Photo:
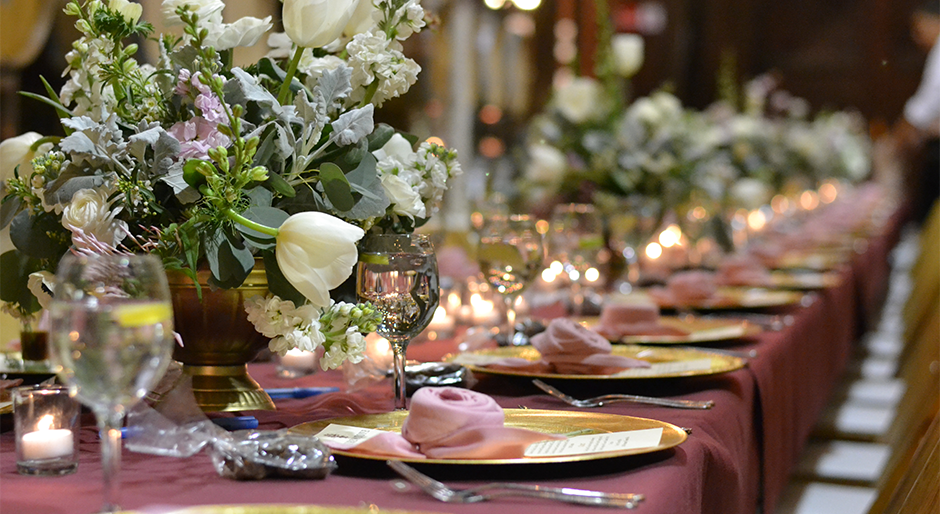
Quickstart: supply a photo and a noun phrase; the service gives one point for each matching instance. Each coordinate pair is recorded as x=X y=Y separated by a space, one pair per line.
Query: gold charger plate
x=804 y=281
x=666 y=362
x=538 y=420
x=819 y=260
x=6 y=407
x=739 y=298
x=280 y=509
x=698 y=330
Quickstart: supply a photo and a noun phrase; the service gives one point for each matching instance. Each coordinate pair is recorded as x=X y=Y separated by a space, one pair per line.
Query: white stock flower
x=546 y=164
x=315 y=23
x=750 y=193
x=90 y=212
x=244 y=32
x=15 y=151
x=314 y=67
x=316 y=252
x=577 y=100
x=131 y=11
x=627 y=50
x=406 y=201
x=372 y=56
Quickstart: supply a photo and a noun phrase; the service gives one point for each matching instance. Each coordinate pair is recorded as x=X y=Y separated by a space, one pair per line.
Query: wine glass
x=576 y=238
x=398 y=274
x=510 y=256
x=631 y=227
x=112 y=334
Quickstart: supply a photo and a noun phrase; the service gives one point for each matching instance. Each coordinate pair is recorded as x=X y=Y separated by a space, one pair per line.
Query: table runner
x=739 y=454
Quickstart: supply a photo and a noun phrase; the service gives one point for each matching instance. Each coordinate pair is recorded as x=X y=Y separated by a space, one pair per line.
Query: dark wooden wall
x=834 y=53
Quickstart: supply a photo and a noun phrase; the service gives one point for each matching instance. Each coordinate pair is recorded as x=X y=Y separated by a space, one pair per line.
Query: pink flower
x=197 y=136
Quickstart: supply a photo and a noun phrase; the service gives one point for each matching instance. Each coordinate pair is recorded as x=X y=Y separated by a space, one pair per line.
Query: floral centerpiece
x=210 y=165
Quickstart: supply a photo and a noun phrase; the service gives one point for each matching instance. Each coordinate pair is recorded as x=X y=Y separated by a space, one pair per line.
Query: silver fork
x=497 y=490
x=611 y=398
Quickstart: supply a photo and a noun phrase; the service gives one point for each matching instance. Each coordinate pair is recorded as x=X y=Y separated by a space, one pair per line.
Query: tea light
x=47 y=443
x=299 y=359
x=483 y=310
x=45 y=420
x=441 y=322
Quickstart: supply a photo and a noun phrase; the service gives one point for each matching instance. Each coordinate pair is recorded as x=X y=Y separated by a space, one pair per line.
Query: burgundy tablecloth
x=738 y=456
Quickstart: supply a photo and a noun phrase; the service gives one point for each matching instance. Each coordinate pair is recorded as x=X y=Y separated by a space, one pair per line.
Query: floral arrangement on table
x=206 y=164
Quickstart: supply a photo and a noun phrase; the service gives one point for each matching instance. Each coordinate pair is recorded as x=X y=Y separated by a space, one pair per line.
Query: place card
x=597 y=443
x=344 y=437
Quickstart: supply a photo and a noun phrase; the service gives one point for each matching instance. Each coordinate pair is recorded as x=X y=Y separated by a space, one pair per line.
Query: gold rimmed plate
x=818 y=260
x=697 y=330
x=665 y=362
x=545 y=421
x=736 y=298
x=280 y=509
x=804 y=280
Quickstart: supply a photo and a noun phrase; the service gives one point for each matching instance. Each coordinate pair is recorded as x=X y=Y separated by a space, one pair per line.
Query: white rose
x=627 y=51
x=750 y=193
x=546 y=163
x=316 y=252
x=645 y=111
x=405 y=199
x=315 y=23
x=577 y=100
x=244 y=32
x=15 y=151
x=397 y=148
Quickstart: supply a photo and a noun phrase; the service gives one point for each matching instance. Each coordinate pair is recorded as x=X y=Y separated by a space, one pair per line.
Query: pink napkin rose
x=632 y=319
x=571 y=349
x=742 y=270
x=686 y=288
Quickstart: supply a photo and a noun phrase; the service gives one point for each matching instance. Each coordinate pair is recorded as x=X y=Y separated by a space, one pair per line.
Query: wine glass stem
x=398 y=374
x=510 y=318
x=109 y=431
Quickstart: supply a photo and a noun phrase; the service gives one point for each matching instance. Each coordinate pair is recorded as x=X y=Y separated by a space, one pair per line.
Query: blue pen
x=298 y=392
x=237 y=422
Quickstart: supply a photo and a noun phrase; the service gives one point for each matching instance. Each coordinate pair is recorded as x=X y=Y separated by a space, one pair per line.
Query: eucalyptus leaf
x=381 y=135
x=336 y=187
x=40 y=236
x=8 y=209
x=15 y=268
x=71 y=181
x=260 y=197
x=281 y=186
x=267 y=216
x=230 y=260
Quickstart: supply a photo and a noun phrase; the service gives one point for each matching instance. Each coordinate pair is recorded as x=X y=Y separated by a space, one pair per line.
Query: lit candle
x=441 y=322
x=47 y=443
x=299 y=359
x=483 y=310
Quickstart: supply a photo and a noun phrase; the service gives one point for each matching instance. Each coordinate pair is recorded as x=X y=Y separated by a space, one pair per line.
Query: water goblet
x=510 y=256
x=398 y=274
x=576 y=238
x=112 y=334
x=631 y=227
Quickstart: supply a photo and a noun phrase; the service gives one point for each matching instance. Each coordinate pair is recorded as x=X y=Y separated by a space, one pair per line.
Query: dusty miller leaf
x=354 y=125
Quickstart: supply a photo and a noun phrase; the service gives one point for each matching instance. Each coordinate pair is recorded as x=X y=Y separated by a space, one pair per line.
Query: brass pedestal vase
x=219 y=341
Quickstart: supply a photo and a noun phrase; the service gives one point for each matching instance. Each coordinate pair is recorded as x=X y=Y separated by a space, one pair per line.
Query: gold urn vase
x=219 y=341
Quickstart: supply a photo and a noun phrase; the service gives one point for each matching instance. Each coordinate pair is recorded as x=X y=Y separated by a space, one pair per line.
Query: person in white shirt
x=915 y=136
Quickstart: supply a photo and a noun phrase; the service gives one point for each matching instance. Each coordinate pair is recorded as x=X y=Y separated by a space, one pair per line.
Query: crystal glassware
x=398 y=274
x=576 y=237
x=510 y=254
x=112 y=334
x=631 y=228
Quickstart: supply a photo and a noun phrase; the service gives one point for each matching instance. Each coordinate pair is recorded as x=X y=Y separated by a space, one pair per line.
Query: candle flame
x=45 y=423
x=654 y=251
x=671 y=236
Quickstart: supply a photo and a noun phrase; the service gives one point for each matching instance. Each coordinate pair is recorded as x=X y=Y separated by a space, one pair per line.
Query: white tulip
x=362 y=19
x=316 y=252
x=131 y=11
x=15 y=152
x=244 y=32
x=577 y=100
x=315 y=23
x=627 y=51
x=546 y=164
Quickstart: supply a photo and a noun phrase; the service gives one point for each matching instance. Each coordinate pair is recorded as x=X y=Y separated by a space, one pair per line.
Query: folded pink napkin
x=686 y=288
x=454 y=423
x=571 y=349
x=742 y=270
x=632 y=319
